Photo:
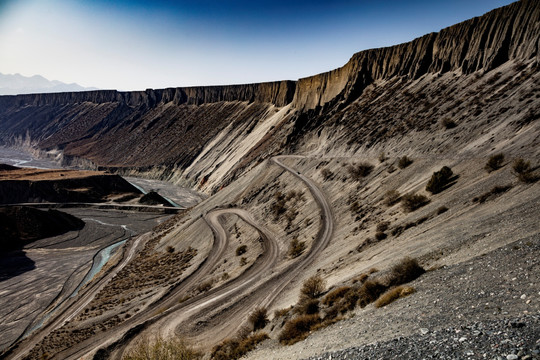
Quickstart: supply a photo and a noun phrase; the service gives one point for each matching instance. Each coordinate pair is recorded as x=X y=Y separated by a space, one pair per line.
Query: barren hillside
x=428 y=150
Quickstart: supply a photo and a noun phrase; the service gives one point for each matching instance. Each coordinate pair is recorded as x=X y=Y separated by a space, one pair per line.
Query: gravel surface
x=517 y=338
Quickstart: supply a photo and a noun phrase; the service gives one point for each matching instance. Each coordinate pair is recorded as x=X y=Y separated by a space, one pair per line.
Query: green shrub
x=404 y=161
x=258 y=318
x=298 y=328
x=439 y=180
x=160 y=349
x=394 y=294
x=494 y=163
x=412 y=202
x=241 y=250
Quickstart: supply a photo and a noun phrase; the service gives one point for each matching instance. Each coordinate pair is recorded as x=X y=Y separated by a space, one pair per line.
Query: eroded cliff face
x=482 y=43
x=207 y=136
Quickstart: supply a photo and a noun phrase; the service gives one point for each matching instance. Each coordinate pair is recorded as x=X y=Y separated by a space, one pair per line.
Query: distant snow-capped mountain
x=19 y=84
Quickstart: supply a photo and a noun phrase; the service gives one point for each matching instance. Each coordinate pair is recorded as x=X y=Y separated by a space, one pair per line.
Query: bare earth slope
x=452 y=98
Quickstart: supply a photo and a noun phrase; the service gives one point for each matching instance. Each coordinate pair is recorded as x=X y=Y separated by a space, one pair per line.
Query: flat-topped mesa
x=482 y=43
x=278 y=93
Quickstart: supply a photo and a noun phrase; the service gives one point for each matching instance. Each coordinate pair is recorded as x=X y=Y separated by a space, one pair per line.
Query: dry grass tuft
x=298 y=328
x=412 y=202
x=258 y=318
x=494 y=163
x=160 y=349
x=393 y=294
x=335 y=295
x=230 y=349
x=406 y=270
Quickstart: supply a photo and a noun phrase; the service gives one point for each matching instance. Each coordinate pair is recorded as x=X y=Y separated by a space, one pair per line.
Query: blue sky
x=134 y=45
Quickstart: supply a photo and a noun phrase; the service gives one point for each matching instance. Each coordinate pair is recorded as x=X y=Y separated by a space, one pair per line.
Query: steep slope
x=450 y=99
x=182 y=133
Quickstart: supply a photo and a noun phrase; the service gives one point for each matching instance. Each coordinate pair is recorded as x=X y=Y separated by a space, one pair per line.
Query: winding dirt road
x=253 y=288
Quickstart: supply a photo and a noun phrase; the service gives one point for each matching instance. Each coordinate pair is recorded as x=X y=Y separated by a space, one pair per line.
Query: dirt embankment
x=20 y=225
x=37 y=185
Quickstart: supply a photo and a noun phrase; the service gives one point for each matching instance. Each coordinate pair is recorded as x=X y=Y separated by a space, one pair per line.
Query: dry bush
x=281 y=312
x=383 y=226
x=391 y=197
x=307 y=306
x=524 y=171
x=404 y=161
x=160 y=349
x=440 y=180
x=327 y=174
x=170 y=249
x=242 y=249
x=360 y=278
x=494 y=162
x=359 y=171
x=313 y=287
x=412 y=202
x=379 y=235
x=441 y=210
x=448 y=123
x=296 y=248
x=298 y=328
x=393 y=294
x=369 y=292
x=406 y=270
x=258 y=318
x=335 y=295
x=205 y=286
x=496 y=190
x=230 y=349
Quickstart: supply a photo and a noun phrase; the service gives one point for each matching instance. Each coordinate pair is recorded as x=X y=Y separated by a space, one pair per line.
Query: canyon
x=329 y=162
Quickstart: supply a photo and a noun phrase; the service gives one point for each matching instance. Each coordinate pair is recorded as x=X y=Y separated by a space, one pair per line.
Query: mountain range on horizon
x=17 y=84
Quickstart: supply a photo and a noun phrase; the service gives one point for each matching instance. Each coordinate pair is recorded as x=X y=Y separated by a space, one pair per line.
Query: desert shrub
x=382 y=157
x=448 y=123
x=313 y=287
x=359 y=171
x=205 y=286
x=439 y=180
x=393 y=294
x=392 y=197
x=307 y=306
x=494 y=162
x=383 y=226
x=441 y=210
x=496 y=190
x=243 y=261
x=360 y=278
x=230 y=349
x=397 y=230
x=335 y=295
x=170 y=249
x=241 y=250
x=296 y=247
x=379 y=235
x=524 y=171
x=406 y=270
x=160 y=349
x=412 y=202
x=326 y=174
x=258 y=318
x=281 y=312
x=369 y=292
x=349 y=301
x=298 y=328
x=404 y=161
